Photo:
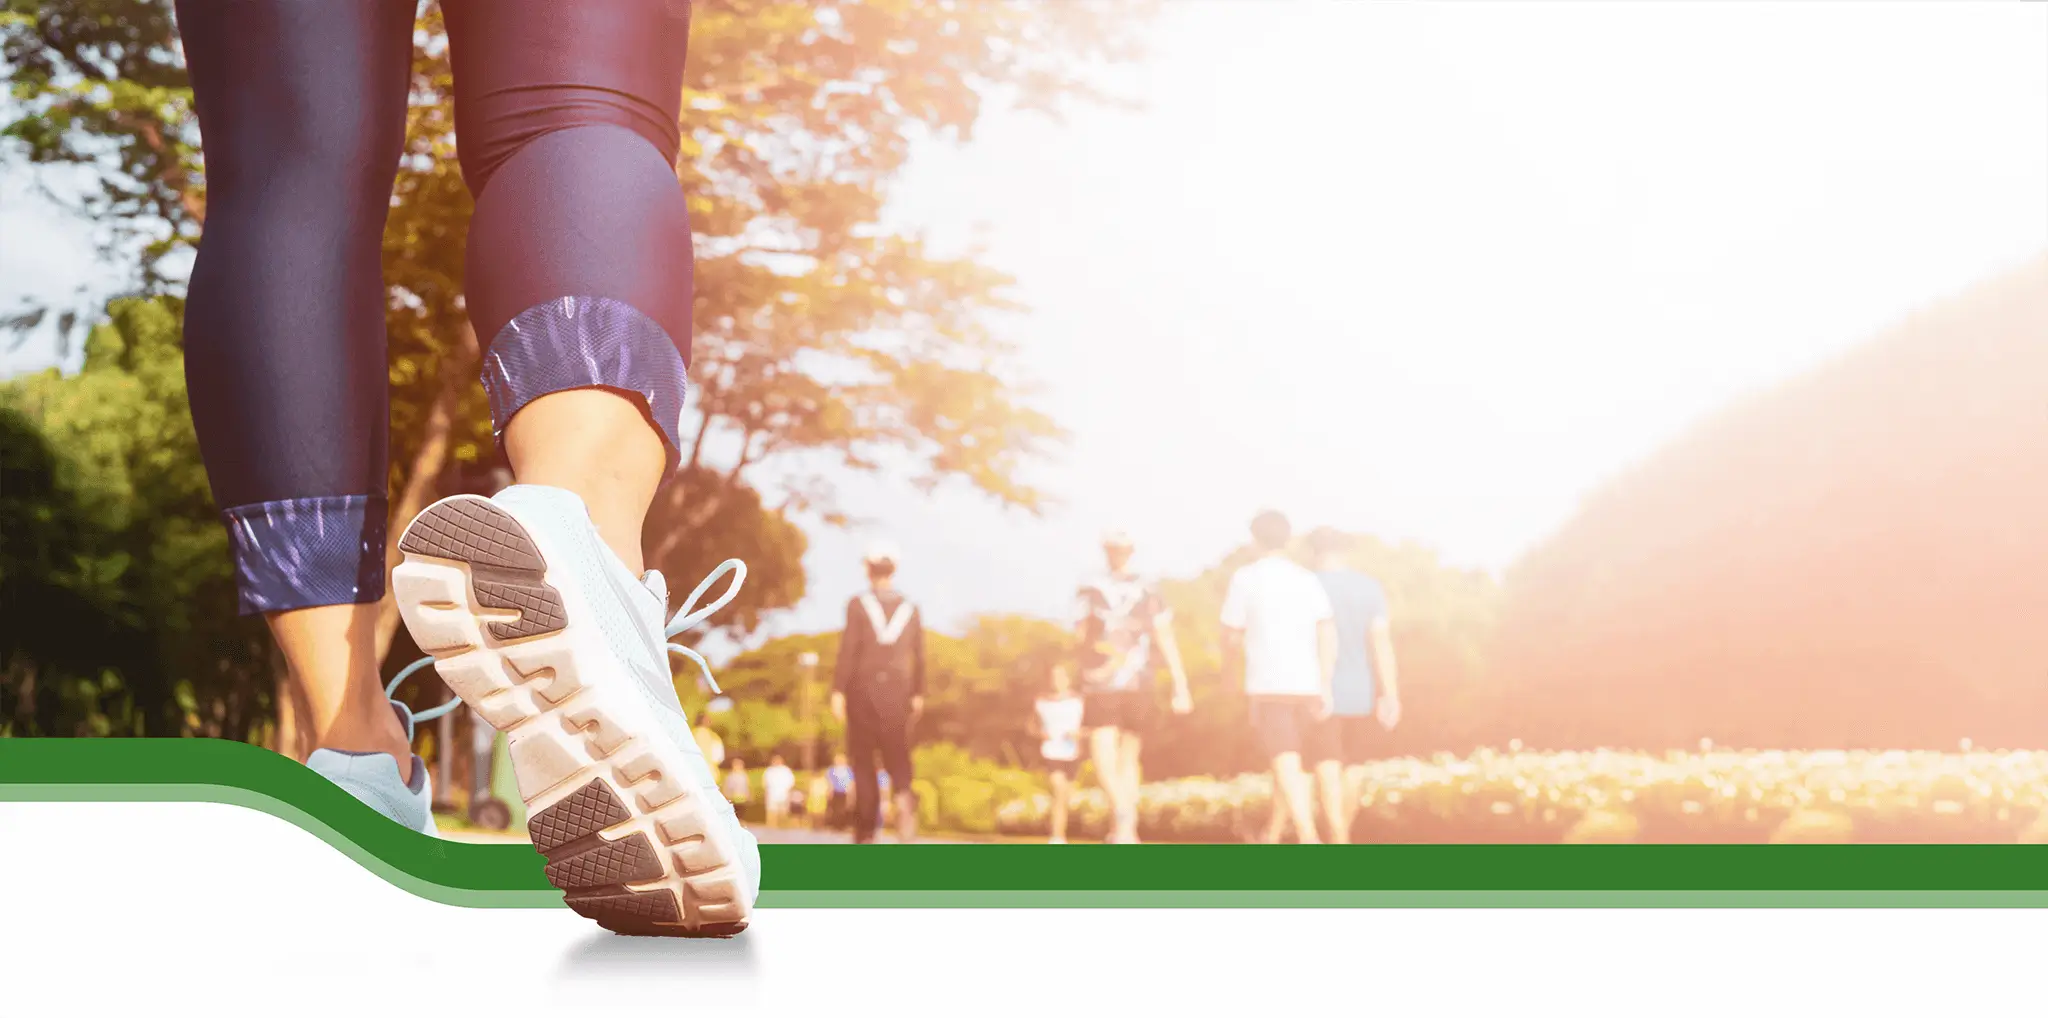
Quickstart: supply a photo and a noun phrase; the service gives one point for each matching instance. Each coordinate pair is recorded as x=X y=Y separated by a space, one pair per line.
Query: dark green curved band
x=1170 y=876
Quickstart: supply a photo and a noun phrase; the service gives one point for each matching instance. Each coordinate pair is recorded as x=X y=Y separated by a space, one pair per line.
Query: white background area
x=206 y=909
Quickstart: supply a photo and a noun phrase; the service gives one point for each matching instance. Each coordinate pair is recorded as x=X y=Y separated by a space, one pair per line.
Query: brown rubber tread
x=475 y=532
x=602 y=863
x=539 y=607
x=646 y=914
x=478 y=590
x=592 y=872
x=637 y=913
x=585 y=812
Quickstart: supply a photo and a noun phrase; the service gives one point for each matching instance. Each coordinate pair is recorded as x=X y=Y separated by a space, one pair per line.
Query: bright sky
x=1434 y=271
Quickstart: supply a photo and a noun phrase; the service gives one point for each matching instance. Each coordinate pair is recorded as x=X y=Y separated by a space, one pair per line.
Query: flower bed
x=1716 y=796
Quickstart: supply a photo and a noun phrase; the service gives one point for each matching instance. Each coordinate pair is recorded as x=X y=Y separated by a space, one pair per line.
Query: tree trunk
x=444 y=760
x=25 y=704
x=422 y=480
x=462 y=757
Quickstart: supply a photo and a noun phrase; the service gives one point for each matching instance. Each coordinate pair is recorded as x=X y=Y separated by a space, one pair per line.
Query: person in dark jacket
x=878 y=693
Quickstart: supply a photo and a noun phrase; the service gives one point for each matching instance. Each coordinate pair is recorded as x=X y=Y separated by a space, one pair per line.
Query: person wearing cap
x=878 y=692
x=1122 y=619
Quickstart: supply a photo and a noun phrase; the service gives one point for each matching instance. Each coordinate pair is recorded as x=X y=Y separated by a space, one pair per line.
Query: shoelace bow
x=685 y=618
x=681 y=622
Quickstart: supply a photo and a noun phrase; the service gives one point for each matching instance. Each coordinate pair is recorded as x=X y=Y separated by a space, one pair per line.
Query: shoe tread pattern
x=632 y=845
x=487 y=538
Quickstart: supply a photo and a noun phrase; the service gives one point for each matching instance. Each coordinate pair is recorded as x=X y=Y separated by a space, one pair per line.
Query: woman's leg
x=1329 y=780
x=302 y=117
x=1354 y=795
x=578 y=283
x=1059 y=805
x=1276 y=820
x=1102 y=747
x=1132 y=749
x=579 y=253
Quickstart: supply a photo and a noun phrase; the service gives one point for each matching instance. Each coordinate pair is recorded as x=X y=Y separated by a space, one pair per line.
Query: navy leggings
x=578 y=264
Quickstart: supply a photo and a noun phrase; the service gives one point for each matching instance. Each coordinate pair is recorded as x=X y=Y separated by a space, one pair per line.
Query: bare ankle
x=375 y=730
x=601 y=446
x=331 y=653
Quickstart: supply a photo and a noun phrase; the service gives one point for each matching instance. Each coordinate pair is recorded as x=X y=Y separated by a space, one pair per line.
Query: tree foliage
x=827 y=338
x=979 y=690
x=122 y=612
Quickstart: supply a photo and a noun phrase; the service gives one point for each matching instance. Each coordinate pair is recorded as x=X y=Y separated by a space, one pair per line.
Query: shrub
x=1815 y=827
x=1604 y=827
x=1716 y=796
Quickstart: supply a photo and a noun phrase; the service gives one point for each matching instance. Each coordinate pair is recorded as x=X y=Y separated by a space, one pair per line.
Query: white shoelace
x=682 y=621
x=685 y=617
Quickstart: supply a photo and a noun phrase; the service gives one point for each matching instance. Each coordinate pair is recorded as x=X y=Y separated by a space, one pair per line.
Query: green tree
x=978 y=691
x=131 y=627
x=826 y=339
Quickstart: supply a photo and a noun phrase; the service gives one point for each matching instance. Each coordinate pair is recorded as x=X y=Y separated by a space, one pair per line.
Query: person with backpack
x=878 y=693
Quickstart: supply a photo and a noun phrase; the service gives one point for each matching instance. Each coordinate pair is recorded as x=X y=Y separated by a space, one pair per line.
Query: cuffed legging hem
x=308 y=552
x=584 y=343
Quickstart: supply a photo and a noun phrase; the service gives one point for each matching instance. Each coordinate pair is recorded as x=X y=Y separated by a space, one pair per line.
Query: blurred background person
x=1121 y=620
x=1057 y=720
x=878 y=692
x=778 y=784
x=1277 y=618
x=1365 y=692
x=737 y=786
x=708 y=741
x=839 y=778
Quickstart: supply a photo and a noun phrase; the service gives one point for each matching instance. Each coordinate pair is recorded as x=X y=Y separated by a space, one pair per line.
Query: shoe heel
x=627 y=839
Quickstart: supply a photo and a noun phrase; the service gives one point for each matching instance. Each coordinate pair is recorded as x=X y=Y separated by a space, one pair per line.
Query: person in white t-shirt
x=1057 y=722
x=777 y=782
x=1277 y=616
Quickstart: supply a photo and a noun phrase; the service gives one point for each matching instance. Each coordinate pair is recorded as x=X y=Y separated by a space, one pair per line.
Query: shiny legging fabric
x=578 y=265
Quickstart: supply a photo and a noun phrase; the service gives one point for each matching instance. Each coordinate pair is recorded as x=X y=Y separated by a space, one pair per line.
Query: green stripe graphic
x=1112 y=876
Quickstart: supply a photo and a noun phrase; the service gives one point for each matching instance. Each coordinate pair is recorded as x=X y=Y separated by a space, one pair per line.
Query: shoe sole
x=630 y=839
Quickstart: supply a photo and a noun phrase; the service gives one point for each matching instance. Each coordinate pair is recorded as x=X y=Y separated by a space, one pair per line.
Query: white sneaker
x=537 y=625
x=373 y=778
